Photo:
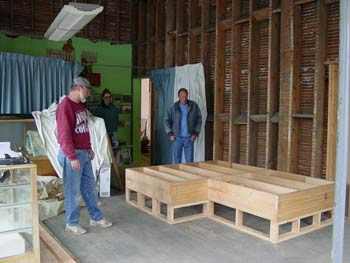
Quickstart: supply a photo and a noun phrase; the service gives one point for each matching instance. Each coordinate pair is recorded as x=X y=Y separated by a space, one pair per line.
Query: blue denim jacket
x=172 y=121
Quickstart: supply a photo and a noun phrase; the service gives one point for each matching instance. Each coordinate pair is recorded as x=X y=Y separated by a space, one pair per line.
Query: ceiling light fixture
x=71 y=19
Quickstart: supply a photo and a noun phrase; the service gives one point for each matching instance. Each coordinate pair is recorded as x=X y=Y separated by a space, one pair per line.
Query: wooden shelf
x=275 y=118
x=16 y=120
x=303 y=116
x=241 y=119
x=242 y=20
x=258 y=117
x=223 y=116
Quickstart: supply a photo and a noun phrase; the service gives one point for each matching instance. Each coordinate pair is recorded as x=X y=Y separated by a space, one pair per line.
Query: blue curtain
x=163 y=80
x=30 y=83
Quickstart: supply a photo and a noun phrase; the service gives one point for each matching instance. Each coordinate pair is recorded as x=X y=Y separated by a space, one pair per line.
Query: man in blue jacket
x=183 y=123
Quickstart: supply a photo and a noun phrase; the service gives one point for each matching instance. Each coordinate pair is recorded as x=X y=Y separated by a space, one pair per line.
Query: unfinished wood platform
x=291 y=204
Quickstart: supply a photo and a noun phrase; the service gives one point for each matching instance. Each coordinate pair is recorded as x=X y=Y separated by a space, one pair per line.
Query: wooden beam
x=272 y=88
x=295 y=95
x=236 y=55
x=225 y=24
x=319 y=96
x=328 y=2
x=192 y=35
x=262 y=14
x=242 y=20
x=258 y=117
x=170 y=38
x=55 y=246
x=118 y=21
x=180 y=44
x=219 y=87
x=206 y=62
x=302 y=115
x=253 y=83
x=285 y=85
x=332 y=120
x=303 y=2
x=160 y=34
x=141 y=35
x=151 y=14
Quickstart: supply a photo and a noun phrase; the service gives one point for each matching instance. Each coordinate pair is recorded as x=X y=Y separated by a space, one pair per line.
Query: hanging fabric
x=47 y=127
x=30 y=83
x=167 y=83
x=191 y=77
x=163 y=81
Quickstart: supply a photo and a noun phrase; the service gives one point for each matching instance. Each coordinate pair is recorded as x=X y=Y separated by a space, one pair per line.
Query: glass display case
x=19 y=229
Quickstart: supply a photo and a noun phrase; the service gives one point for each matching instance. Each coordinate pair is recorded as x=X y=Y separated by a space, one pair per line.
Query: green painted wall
x=136 y=119
x=113 y=62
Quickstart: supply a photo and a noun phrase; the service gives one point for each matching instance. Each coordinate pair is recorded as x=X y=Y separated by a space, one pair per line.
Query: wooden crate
x=286 y=201
x=161 y=187
x=282 y=198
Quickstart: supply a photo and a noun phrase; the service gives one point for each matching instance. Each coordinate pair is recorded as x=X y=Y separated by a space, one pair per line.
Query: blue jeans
x=76 y=182
x=186 y=144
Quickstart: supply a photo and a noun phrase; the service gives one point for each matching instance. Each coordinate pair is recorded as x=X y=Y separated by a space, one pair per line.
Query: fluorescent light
x=71 y=19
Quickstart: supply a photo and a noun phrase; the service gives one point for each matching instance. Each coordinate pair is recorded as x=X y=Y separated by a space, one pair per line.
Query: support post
x=342 y=164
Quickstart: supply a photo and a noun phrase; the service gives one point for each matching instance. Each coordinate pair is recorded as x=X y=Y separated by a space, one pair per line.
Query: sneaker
x=75 y=229
x=101 y=223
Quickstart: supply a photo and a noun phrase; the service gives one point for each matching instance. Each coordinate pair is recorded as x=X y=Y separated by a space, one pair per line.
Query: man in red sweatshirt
x=75 y=157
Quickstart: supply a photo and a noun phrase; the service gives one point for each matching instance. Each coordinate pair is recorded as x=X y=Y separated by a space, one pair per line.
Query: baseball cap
x=82 y=82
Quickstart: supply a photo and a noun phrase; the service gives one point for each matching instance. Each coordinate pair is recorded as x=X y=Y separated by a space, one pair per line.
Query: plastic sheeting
x=191 y=77
x=47 y=128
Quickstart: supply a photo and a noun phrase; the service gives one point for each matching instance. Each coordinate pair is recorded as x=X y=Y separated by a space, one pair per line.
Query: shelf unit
x=19 y=224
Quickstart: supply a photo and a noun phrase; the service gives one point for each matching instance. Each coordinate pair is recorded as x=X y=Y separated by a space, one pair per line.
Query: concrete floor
x=138 y=237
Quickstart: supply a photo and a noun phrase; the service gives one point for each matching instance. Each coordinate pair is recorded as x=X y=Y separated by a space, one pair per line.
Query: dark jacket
x=172 y=121
x=110 y=115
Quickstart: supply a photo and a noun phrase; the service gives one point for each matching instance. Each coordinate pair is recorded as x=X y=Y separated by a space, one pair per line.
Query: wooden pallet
x=283 y=199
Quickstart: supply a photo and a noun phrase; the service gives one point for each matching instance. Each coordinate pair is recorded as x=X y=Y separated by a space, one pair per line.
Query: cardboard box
x=105 y=181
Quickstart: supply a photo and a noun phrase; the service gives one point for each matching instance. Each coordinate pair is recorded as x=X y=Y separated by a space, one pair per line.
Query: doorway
x=146 y=122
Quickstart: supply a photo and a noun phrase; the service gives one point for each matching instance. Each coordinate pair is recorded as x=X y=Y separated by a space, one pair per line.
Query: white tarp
x=191 y=77
x=47 y=128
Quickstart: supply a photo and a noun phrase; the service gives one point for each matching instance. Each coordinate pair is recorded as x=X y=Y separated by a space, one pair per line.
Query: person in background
x=183 y=123
x=75 y=157
x=109 y=113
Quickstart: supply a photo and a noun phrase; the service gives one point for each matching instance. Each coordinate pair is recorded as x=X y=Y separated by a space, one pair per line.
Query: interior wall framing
x=265 y=64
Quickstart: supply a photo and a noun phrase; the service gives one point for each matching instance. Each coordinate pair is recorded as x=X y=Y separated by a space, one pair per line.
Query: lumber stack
x=285 y=200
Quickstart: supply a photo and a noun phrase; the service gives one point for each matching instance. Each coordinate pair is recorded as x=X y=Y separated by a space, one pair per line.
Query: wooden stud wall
x=266 y=81
x=315 y=40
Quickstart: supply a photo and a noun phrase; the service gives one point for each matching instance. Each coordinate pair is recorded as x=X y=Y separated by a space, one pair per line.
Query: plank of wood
x=285 y=85
x=179 y=173
x=332 y=121
x=319 y=91
x=273 y=90
x=115 y=168
x=308 y=201
x=55 y=246
x=252 y=201
x=165 y=176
